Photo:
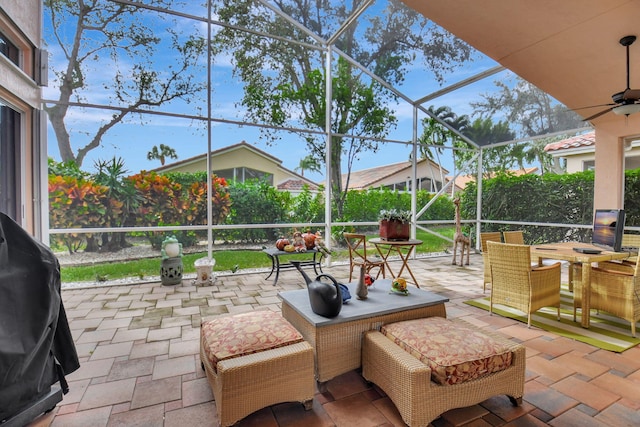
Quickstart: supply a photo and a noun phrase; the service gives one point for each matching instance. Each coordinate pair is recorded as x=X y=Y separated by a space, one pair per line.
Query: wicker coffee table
x=337 y=342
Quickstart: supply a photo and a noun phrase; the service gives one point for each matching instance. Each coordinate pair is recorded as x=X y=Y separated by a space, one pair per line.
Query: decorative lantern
x=204 y=270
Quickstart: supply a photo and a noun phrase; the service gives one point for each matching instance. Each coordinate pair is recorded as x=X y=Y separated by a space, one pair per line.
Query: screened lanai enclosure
x=320 y=89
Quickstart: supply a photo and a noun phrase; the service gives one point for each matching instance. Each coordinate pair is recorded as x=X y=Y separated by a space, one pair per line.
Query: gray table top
x=379 y=302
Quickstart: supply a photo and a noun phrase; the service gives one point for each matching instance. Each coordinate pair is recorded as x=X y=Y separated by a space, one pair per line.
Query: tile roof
x=296 y=185
x=578 y=141
x=367 y=178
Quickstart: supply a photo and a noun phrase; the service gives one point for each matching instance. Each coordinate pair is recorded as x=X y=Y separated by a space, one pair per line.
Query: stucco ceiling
x=568 y=48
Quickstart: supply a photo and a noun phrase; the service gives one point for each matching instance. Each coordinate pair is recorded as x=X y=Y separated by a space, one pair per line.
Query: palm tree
x=308 y=163
x=164 y=152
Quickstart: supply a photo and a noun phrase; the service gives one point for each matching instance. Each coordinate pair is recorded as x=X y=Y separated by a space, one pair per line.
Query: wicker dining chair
x=358 y=255
x=615 y=288
x=493 y=236
x=515 y=283
x=515 y=236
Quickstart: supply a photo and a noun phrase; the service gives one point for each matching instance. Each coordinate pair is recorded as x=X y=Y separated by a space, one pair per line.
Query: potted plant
x=394 y=224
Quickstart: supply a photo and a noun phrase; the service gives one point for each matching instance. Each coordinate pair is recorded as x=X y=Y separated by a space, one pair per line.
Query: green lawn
x=225 y=261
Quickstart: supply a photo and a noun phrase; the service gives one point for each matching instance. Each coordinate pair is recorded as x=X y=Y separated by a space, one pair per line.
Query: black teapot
x=326 y=298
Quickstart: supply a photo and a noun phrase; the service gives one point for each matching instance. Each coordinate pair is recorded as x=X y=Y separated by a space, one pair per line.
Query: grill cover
x=36 y=346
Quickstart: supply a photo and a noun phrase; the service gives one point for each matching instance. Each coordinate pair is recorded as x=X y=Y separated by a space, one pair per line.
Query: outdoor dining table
x=403 y=248
x=565 y=251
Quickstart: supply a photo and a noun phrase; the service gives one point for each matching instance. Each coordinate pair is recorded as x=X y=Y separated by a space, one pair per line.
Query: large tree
x=530 y=112
x=285 y=82
x=88 y=31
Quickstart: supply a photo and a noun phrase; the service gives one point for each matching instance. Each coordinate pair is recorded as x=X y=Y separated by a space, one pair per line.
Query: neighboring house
x=461 y=181
x=579 y=152
x=23 y=148
x=242 y=162
x=397 y=176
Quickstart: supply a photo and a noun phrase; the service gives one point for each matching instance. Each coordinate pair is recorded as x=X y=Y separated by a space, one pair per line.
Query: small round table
x=403 y=248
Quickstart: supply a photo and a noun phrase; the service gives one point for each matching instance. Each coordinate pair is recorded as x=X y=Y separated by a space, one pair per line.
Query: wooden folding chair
x=358 y=256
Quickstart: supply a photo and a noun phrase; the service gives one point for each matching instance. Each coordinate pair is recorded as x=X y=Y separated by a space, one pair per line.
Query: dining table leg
x=586 y=294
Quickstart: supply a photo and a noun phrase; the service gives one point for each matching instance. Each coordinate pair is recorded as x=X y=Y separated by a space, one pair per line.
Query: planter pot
x=394 y=230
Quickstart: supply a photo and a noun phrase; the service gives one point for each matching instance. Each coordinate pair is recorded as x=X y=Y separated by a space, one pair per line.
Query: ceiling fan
x=625 y=102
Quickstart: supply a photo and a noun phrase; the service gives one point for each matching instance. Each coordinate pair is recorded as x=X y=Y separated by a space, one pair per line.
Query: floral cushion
x=455 y=353
x=247 y=333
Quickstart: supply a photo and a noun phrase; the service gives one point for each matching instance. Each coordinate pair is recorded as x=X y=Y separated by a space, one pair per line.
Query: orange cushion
x=246 y=333
x=455 y=353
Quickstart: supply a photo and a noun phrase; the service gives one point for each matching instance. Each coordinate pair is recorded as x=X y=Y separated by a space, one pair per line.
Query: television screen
x=608 y=226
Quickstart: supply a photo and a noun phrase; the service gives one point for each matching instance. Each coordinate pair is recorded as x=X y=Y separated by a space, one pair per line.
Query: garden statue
x=459 y=239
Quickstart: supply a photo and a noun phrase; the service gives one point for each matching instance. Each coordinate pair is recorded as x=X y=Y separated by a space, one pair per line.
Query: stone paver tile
x=101 y=313
x=182 y=348
x=617 y=385
x=157 y=391
x=149 y=349
x=176 y=366
x=384 y=405
x=98 y=417
x=186 y=311
x=86 y=323
x=123 y=335
x=112 y=350
x=85 y=350
x=164 y=334
x=93 y=369
x=168 y=303
x=574 y=418
x=96 y=336
x=619 y=415
x=90 y=305
x=114 y=323
x=547 y=399
x=141 y=304
x=194 y=302
x=501 y=406
x=76 y=391
x=549 y=369
x=619 y=362
x=132 y=312
x=586 y=393
x=354 y=410
x=143 y=417
x=131 y=368
x=268 y=300
x=203 y=415
x=190 y=333
x=117 y=304
x=546 y=346
x=108 y=393
x=580 y=364
x=169 y=322
x=158 y=312
x=195 y=392
x=145 y=322
x=460 y=416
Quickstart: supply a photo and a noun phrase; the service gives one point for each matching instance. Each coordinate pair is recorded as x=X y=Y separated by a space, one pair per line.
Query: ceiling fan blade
x=598 y=114
x=593 y=106
x=631 y=94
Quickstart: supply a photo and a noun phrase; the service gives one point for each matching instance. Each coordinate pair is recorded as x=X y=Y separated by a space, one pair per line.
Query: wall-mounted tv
x=608 y=227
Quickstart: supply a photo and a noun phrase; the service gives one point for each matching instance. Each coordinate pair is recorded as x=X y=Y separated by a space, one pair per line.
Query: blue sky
x=133 y=139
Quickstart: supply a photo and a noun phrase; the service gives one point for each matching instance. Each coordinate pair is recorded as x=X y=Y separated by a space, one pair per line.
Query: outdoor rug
x=605 y=331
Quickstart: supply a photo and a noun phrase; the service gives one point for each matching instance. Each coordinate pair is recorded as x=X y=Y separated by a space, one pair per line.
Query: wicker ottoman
x=254 y=360
x=423 y=389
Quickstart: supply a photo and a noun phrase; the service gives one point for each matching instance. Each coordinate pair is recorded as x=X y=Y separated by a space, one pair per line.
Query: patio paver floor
x=138 y=348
